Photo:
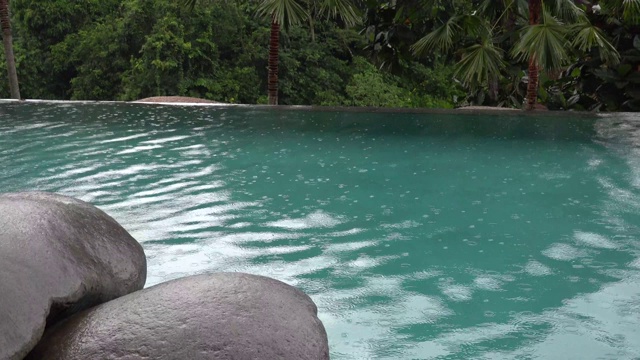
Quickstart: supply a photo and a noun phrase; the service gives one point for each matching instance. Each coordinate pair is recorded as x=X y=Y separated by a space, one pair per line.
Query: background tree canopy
x=404 y=53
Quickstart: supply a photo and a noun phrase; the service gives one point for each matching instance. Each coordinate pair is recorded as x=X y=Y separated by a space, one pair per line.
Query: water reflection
x=447 y=237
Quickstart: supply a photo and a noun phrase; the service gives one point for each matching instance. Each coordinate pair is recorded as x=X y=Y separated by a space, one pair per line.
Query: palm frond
x=626 y=10
x=474 y=26
x=587 y=36
x=546 y=43
x=480 y=63
x=343 y=9
x=189 y=4
x=631 y=11
x=566 y=10
x=442 y=37
x=439 y=39
x=283 y=12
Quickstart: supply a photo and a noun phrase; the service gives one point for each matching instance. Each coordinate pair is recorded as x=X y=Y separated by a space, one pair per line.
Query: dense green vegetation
x=405 y=53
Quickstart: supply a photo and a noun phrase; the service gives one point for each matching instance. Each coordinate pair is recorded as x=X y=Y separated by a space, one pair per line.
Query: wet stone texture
x=216 y=316
x=58 y=256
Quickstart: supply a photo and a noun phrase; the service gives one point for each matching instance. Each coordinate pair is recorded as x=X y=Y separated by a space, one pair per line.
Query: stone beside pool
x=58 y=256
x=70 y=288
x=214 y=316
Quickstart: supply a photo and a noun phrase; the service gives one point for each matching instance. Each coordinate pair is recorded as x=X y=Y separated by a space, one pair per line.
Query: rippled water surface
x=419 y=236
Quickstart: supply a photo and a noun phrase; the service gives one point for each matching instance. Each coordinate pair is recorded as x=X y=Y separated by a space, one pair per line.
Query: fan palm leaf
x=587 y=36
x=442 y=38
x=344 y=9
x=628 y=10
x=283 y=12
x=545 y=43
x=480 y=63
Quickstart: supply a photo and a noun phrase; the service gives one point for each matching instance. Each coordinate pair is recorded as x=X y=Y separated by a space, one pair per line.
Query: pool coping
x=348 y=109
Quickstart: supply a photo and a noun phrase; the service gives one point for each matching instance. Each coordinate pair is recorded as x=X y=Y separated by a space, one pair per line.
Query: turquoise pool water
x=419 y=236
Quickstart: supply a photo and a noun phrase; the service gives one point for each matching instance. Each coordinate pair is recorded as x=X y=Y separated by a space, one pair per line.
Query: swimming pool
x=419 y=235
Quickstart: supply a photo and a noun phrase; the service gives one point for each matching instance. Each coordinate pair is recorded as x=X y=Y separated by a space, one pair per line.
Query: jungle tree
x=285 y=13
x=7 y=39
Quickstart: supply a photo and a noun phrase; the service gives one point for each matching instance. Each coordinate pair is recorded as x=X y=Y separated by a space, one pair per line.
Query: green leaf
x=575 y=73
x=344 y=9
x=479 y=64
x=283 y=12
x=546 y=43
x=442 y=38
x=631 y=11
x=624 y=69
x=566 y=10
x=586 y=36
x=439 y=39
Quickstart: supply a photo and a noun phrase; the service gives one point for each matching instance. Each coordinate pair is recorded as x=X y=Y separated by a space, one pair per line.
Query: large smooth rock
x=223 y=316
x=58 y=256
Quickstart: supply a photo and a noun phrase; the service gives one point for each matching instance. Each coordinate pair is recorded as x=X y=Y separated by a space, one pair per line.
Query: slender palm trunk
x=7 y=39
x=274 y=47
x=312 y=28
x=535 y=12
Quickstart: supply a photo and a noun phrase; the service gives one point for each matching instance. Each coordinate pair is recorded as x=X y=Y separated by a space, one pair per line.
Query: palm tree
x=292 y=12
x=279 y=12
x=7 y=39
x=289 y=13
x=553 y=31
x=535 y=12
x=551 y=35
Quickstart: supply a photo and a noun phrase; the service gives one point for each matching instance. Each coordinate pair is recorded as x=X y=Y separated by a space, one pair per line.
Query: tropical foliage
x=7 y=39
x=565 y=54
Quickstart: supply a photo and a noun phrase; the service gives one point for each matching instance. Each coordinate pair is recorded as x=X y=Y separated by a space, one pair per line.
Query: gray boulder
x=223 y=316
x=58 y=256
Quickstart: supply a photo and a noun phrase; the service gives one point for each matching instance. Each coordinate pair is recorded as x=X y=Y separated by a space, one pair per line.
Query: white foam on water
x=364 y=333
x=135 y=202
x=166 y=140
x=138 y=149
x=265 y=237
x=318 y=219
x=190 y=147
x=408 y=224
x=594 y=163
x=600 y=325
x=203 y=172
x=594 y=240
x=563 y=252
x=367 y=262
x=115 y=174
x=73 y=172
x=635 y=263
x=457 y=293
x=450 y=343
x=90 y=197
x=536 y=268
x=289 y=272
x=353 y=231
x=425 y=274
x=358 y=267
x=350 y=246
x=31 y=126
x=239 y=225
x=126 y=138
x=164 y=189
x=487 y=283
